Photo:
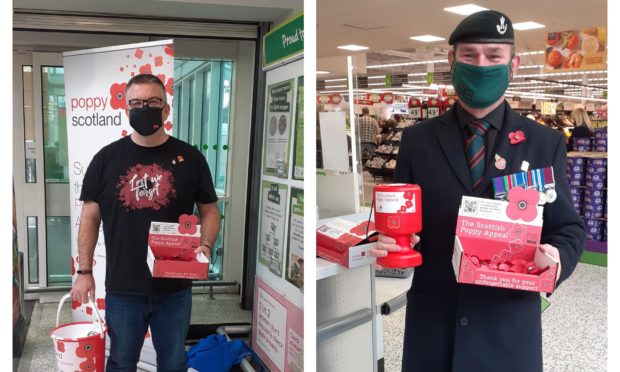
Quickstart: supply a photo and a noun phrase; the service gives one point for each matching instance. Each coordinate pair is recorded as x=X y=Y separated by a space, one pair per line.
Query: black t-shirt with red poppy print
x=133 y=186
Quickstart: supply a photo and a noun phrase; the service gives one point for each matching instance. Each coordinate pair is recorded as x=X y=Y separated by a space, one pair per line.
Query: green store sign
x=284 y=43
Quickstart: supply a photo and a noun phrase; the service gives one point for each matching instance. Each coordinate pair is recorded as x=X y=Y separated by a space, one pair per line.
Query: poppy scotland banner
x=95 y=82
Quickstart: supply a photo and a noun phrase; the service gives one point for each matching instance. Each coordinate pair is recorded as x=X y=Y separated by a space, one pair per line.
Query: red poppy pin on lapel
x=516 y=137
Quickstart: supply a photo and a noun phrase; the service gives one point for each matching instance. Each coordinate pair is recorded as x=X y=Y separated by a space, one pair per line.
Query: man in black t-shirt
x=147 y=176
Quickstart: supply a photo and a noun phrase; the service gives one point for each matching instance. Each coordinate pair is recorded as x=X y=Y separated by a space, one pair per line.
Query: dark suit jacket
x=462 y=327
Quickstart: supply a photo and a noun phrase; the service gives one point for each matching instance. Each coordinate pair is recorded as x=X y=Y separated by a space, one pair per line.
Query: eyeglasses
x=151 y=102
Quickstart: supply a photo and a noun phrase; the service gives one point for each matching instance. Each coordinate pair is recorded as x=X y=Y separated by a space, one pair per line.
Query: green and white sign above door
x=285 y=43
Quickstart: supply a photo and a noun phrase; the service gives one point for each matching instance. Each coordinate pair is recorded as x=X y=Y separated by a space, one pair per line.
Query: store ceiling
x=385 y=27
x=233 y=10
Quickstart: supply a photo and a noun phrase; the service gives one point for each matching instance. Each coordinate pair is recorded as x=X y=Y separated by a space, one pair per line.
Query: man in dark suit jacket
x=462 y=327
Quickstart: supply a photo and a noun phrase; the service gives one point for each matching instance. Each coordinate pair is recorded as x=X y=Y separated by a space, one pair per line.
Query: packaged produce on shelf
x=375 y=162
x=385 y=149
x=391 y=164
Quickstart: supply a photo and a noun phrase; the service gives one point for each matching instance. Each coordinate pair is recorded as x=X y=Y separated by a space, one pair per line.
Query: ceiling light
x=465 y=10
x=353 y=47
x=332 y=80
x=529 y=25
x=322 y=72
x=408 y=63
x=427 y=38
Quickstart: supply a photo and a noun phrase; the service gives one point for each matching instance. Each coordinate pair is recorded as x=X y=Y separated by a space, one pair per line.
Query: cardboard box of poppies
x=346 y=241
x=496 y=243
x=171 y=249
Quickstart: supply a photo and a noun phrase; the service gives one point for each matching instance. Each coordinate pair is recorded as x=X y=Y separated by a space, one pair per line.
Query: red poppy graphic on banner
x=117 y=96
x=146 y=186
x=159 y=60
x=169 y=50
x=146 y=69
x=169 y=88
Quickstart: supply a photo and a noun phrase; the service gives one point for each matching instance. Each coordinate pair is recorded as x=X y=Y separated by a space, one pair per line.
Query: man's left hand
x=205 y=249
x=553 y=252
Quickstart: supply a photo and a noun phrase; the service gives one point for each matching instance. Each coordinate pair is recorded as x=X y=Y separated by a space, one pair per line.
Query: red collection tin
x=398 y=214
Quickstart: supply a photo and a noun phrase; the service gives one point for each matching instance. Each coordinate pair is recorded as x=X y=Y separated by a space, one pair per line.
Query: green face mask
x=480 y=86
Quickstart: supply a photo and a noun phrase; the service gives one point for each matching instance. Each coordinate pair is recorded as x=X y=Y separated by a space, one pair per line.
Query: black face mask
x=146 y=120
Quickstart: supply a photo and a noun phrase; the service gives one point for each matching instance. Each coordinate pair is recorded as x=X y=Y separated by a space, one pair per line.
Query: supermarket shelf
x=595 y=246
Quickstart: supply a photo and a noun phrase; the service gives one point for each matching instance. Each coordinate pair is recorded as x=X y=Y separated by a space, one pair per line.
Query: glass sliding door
x=202 y=101
x=56 y=170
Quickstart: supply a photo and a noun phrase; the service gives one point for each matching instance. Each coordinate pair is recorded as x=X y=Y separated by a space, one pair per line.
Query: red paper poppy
x=146 y=69
x=117 y=96
x=168 y=126
x=124 y=133
x=159 y=60
x=516 y=137
x=522 y=204
x=187 y=224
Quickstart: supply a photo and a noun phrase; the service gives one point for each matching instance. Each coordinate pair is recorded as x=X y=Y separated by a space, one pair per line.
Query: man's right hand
x=386 y=244
x=83 y=288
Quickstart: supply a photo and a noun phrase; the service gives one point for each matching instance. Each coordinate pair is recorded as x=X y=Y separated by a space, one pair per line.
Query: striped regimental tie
x=475 y=150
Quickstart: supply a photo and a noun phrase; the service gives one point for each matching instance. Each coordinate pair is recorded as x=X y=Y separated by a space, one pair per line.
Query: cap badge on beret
x=502 y=27
x=487 y=26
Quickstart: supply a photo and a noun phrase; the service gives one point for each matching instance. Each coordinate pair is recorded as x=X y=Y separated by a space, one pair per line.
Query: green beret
x=487 y=26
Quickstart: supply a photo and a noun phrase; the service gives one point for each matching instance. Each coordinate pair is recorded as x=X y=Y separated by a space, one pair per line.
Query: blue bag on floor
x=216 y=354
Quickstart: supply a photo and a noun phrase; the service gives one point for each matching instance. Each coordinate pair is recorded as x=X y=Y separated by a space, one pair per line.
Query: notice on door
x=278 y=329
x=273 y=222
x=298 y=165
x=295 y=254
x=271 y=327
x=278 y=123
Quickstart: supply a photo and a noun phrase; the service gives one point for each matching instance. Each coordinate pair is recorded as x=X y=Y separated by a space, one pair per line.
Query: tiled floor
x=39 y=353
x=574 y=326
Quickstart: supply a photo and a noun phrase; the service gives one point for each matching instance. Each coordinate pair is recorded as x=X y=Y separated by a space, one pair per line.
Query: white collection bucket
x=80 y=346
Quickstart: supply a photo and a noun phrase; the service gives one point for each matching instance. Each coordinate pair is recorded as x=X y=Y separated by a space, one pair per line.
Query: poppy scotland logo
x=393 y=222
x=117 y=96
x=187 y=224
x=522 y=204
x=516 y=137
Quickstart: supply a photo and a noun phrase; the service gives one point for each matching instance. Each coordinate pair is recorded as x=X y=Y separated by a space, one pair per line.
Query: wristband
x=85 y=272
